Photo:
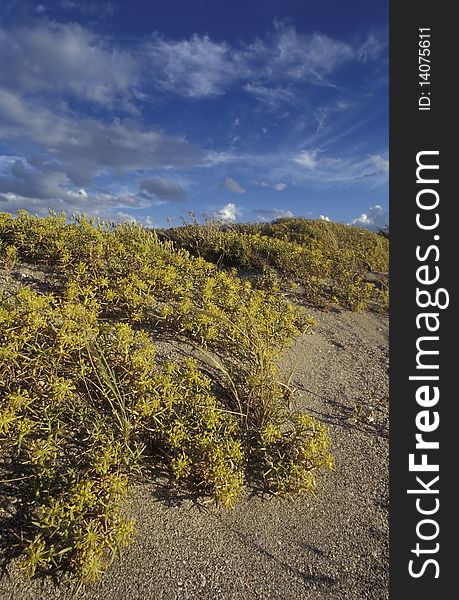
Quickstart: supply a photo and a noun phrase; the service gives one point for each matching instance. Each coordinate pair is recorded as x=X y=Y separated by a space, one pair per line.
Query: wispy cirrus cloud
x=199 y=67
x=323 y=114
x=194 y=68
x=50 y=57
x=312 y=57
x=278 y=186
x=316 y=166
x=373 y=48
x=306 y=158
x=272 y=97
x=313 y=166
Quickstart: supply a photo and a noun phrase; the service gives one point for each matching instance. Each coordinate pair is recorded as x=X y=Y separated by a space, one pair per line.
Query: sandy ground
x=331 y=545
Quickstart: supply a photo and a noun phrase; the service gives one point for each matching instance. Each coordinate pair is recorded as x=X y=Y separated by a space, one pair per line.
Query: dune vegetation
x=88 y=403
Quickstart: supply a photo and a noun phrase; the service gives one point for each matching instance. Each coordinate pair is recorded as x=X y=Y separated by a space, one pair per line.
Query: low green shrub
x=85 y=405
x=329 y=260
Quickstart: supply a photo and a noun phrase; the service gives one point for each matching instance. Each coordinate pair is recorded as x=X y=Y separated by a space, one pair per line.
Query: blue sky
x=239 y=111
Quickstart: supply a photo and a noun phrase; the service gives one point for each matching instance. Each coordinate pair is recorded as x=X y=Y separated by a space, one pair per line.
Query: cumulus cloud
x=376 y=218
x=229 y=212
x=55 y=58
x=233 y=186
x=81 y=193
x=32 y=183
x=97 y=203
x=46 y=63
x=324 y=218
x=45 y=186
x=84 y=147
x=165 y=189
x=226 y=214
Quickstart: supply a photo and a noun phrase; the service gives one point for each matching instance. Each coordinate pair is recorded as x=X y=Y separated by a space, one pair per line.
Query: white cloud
x=372 y=48
x=226 y=214
x=122 y=217
x=52 y=58
x=324 y=218
x=83 y=147
x=81 y=193
x=165 y=189
x=317 y=167
x=269 y=214
x=323 y=114
x=199 y=67
x=31 y=183
x=98 y=203
x=278 y=187
x=374 y=219
x=229 y=212
x=214 y=157
x=311 y=57
x=233 y=186
x=272 y=97
x=46 y=186
x=380 y=163
x=306 y=158
x=51 y=71
x=314 y=166
x=7 y=161
x=196 y=68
